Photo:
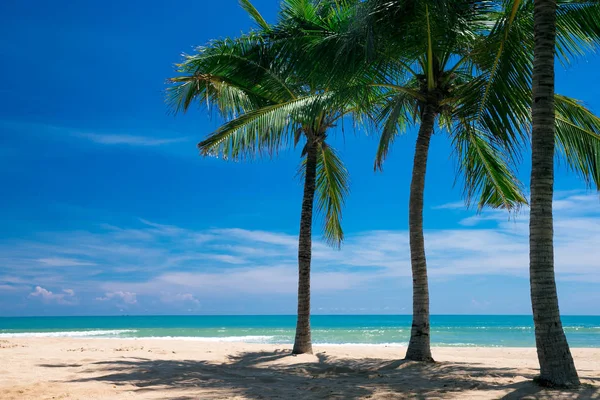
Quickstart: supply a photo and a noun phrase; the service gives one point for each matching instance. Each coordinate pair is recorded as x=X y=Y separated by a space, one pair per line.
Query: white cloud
x=256 y=280
x=131 y=140
x=15 y=280
x=186 y=298
x=125 y=297
x=65 y=132
x=67 y=297
x=240 y=280
x=152 y=258
x=162 y=229
x=9 y=288
x=63 y=262
x=450 y=206
x=226 y=258
x=259 y=236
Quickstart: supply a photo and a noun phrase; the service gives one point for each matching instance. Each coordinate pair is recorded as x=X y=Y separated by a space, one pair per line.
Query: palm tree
x=459 y=65
x=497 y=72
x=441 y=74
x=413 y=52
x=269 y=106
x=466 y=66
x=556 y=363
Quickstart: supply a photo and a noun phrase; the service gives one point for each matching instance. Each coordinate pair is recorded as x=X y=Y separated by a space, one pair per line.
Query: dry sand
x=50 y=368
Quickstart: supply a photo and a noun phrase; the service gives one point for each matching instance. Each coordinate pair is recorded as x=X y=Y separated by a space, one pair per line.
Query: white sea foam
x=259 y=339
x=67 y=334
x=400 y=344
x=243 y=339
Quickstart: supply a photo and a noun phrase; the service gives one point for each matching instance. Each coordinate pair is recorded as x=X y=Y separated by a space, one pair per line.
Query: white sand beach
x=68 y=368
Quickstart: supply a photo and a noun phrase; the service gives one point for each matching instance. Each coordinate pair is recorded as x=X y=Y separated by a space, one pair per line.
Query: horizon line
x=282 y=315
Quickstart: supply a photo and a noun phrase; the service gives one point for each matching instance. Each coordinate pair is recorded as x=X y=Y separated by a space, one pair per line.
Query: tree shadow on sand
x=278 y=375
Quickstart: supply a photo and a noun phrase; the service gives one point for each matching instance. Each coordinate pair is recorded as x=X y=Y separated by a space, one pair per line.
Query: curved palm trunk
x=419 y=346
x=302 y=343
x=556 y=363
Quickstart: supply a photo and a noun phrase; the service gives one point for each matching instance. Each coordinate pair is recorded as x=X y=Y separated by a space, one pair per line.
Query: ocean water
x=391 y=330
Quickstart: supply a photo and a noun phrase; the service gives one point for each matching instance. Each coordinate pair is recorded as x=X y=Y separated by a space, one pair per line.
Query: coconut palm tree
x=269 y=106
x=463 y=68
x=556 y=362
x=444 y=73
x=496 y=106
x=460 y=66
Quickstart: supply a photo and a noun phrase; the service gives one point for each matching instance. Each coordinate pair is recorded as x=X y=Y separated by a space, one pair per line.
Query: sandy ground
x=169 y=369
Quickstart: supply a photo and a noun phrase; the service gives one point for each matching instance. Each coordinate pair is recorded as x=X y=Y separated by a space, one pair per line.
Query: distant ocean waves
x=376 y=330
x=5 y=333
x=132 y=334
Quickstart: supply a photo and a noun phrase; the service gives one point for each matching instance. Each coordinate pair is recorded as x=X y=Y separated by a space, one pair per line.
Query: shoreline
x=255 y=340
x=340 y=330
x=233 y=340
x=100 y=368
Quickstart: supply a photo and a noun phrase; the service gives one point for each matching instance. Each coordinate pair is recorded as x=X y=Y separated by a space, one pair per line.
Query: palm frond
x=247 y=63
x=395 y=117
x=430 y=81
x=498 y=99
x=229 y=99
x=578 y=138
x=265 y=130
x=577 y=28
x=245 y=70
x=332 y=187
x=503 y=28
x=255 y=15
x=486 y=170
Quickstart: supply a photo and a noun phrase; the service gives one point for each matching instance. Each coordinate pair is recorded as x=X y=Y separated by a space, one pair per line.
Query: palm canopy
x=487 y=75
x=269 y=105
x=386 y=59
x=502 y=91
x=470 y=60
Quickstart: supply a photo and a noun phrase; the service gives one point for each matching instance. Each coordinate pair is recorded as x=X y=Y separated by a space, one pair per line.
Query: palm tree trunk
x=419 y=348
x=556 y=363
x=303 y=343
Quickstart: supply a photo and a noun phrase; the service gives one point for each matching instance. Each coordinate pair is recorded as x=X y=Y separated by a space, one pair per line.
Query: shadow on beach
x=278 y=375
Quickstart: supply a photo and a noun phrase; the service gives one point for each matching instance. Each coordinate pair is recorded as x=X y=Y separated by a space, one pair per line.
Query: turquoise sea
x=447 y=330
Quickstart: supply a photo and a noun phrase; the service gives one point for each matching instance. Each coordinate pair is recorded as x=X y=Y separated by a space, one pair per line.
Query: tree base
x=420 y=356
x=419 y=350
x=425 y=359
x=552 y=384
x=305 y=349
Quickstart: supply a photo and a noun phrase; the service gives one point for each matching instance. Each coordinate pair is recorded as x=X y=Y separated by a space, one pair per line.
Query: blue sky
x=106 y=208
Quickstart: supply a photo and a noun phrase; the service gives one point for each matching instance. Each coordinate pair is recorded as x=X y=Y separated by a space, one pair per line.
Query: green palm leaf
x=578 y=138
x=577 y=28
x=255 y=15
x=395 y=116
x=332 y=187
x=266 y=130
x=486 y=170
x=229 y=98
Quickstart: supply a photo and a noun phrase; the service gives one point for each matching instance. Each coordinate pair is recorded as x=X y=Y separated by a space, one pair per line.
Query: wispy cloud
x=67 y=297
x=63 y=262
x=8 y=288
x=450 y=206
x=130 y=140
x=103 y=138
x=125 y=297
x=134 y=264
x=259 y=236
x=187 y=298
